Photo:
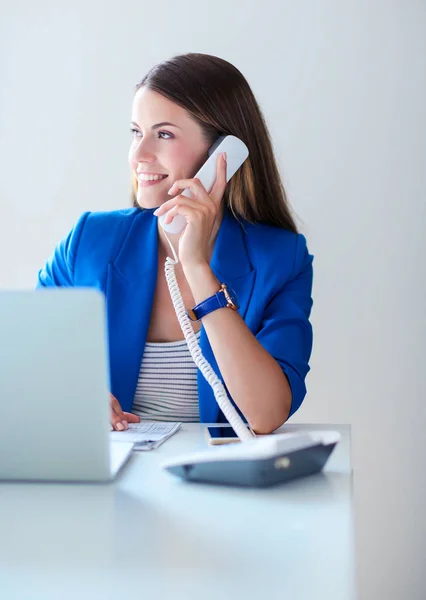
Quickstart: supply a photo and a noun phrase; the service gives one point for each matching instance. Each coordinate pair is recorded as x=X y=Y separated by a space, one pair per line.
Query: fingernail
x=156 y=212
x=224 y=156
x=170 y=191
x=120 y=426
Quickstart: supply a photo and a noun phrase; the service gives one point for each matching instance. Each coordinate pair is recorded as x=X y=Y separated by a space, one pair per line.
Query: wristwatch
x=224 y=298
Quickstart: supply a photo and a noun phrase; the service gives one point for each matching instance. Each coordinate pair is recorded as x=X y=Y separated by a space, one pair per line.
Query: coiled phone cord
x=219 y=391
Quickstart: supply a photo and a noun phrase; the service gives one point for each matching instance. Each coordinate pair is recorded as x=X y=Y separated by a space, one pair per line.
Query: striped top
x=167 y=387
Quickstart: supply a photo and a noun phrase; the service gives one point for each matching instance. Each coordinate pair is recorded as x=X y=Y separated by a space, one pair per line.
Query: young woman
x=242 y=235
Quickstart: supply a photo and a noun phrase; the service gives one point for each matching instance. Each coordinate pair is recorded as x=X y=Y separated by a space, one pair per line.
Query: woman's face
x=167 y=145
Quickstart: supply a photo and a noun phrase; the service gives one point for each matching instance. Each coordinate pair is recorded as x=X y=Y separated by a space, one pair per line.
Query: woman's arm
x=264 y=373
x=253 y=377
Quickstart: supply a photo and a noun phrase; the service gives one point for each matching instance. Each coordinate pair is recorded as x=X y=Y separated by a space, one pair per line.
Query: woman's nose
x=141 y=152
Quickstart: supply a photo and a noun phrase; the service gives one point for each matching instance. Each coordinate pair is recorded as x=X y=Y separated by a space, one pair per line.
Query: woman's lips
x=148 y=183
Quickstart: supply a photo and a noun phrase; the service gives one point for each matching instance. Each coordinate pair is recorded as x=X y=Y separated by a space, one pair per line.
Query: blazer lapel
x=132 y=279
x=231 y=265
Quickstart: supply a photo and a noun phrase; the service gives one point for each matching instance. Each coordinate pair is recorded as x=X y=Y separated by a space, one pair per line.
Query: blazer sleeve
x=286 y=332
x=58 y=270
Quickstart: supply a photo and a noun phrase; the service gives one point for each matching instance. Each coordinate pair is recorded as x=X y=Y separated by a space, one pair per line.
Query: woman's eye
x=163 y=133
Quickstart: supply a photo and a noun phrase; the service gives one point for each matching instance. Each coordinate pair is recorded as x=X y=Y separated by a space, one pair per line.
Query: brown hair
x=219 y=98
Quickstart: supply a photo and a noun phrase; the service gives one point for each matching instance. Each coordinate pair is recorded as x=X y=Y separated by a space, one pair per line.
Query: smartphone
x=222 y=434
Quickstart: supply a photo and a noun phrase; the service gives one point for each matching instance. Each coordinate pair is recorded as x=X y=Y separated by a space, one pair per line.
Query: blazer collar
x=139 y=252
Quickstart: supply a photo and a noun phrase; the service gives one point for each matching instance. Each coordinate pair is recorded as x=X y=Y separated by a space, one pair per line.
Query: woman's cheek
x=186 y=162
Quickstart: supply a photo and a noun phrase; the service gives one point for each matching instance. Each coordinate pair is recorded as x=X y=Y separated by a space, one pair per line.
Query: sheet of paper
x=147 y=435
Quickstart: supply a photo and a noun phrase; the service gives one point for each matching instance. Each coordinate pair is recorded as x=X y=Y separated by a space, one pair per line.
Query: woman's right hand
x=120 y=419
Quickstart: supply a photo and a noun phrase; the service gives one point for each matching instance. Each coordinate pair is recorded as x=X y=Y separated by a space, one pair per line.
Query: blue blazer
x=269 y=268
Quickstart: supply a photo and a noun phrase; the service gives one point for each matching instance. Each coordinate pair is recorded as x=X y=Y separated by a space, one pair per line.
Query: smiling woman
x=240 y=236
x=213 y=94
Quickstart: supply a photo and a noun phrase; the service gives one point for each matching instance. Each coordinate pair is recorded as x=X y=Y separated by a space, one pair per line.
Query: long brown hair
x=219 y=98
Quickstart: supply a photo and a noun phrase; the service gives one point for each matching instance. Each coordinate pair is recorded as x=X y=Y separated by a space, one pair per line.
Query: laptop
x=54 y=387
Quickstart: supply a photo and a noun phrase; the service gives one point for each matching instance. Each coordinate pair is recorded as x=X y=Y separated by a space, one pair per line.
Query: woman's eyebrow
x=157 y=125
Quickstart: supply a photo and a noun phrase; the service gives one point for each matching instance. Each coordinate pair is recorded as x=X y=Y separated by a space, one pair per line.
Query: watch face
x=233 y=296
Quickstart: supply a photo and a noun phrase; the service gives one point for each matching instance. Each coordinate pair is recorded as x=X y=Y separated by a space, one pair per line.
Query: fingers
x=198 y=190
x=118 y=419
x=115 y=406
x=131 y=418
x=117 y=423
x=182 y=206
x=194 y=185
x=220 y=183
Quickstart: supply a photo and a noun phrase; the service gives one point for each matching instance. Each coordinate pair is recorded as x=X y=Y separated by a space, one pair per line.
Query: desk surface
x=149 y=533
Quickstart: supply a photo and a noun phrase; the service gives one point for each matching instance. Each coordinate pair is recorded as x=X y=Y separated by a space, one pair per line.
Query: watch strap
x=218 y=300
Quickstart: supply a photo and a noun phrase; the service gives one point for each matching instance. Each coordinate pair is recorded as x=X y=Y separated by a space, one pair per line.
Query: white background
x=343 y=88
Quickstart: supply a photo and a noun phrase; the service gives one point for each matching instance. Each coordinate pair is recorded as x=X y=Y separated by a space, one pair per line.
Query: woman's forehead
x=151 y=107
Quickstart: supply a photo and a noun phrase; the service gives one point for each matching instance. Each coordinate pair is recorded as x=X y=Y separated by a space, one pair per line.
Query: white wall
x=340 y=89
x=337 y=82
x=342 y=85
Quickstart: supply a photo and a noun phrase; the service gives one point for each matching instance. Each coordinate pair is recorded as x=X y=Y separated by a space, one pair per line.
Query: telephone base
x=287 y=457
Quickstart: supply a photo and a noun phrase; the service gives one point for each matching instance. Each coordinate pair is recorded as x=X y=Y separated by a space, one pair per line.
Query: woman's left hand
x=200 y=212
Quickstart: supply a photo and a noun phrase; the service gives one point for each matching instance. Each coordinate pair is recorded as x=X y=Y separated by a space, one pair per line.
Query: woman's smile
x=148 y=179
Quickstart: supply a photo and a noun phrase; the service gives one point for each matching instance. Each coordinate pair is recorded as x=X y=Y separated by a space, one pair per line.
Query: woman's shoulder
x=97 y=221
x=97 y=237
x=104 y=228
x=272 y=245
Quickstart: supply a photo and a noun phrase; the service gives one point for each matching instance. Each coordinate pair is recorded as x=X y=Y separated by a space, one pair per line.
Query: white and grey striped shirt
x=167 y=385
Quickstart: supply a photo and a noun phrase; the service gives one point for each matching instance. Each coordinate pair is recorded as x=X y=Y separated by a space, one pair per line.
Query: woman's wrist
x=202 y=281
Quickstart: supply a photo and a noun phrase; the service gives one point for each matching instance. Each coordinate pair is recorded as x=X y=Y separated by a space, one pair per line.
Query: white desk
x=150 y=535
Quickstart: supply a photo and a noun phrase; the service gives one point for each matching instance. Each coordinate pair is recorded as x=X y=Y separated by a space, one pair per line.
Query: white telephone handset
x=236 y=154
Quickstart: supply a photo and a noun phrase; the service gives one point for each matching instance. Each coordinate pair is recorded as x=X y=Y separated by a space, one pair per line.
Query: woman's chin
x=148 y=203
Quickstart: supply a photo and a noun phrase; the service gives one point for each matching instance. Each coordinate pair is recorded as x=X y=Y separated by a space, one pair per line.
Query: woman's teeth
x=151 y=177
